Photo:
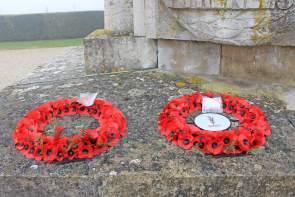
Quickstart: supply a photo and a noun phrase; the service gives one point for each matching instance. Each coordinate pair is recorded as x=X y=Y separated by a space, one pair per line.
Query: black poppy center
x=186 y=142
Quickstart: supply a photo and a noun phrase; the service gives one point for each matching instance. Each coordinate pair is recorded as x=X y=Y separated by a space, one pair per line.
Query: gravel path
x=16 y=65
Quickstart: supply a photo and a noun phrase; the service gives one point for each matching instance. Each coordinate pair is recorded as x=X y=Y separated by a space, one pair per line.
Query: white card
x=87 y=99
x=212 y=105
x=212 y=122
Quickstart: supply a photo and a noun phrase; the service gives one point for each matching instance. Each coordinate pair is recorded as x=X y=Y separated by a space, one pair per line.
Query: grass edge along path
x=40 y=44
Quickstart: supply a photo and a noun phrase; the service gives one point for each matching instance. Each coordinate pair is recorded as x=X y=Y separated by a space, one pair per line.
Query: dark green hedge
x=49 y=26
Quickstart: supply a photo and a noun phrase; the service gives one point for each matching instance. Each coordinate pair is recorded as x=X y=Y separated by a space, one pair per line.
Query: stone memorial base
x=143 y=163
x=105 y=52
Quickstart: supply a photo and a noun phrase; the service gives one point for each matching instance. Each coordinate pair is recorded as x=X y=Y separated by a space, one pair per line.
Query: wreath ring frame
x=30 y=139
x=250 y=134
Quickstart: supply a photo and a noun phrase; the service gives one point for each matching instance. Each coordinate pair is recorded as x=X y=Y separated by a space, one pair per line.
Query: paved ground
x=143 y=163
x=17 y=64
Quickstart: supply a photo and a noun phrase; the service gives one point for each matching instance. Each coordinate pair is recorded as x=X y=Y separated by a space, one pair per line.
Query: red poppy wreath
x=249 y=134
x=30 y=139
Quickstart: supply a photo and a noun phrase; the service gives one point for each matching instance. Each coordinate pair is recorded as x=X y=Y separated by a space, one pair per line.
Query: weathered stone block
x=118 y=15
x=264 y=62
x=106 y=52
x=189 y=57
x=234 y=22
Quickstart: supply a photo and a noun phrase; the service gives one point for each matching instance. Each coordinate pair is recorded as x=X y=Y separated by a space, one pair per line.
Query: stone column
x=118 y=16
x=139 y=17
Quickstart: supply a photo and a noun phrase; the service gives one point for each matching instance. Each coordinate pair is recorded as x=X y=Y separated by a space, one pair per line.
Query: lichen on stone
x=99 y=33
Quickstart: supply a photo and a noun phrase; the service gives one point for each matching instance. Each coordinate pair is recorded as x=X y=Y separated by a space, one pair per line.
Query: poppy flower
x=71 y=154
x=28 y=147
x=101 y=140
x=172 y=135
x=122 y=123
x=185 y=141
x=244 y=141
x=107 y=112
x=93 y=111
x=50 y=153
x=85 y=151
x=263 y=127
x=257 y=141
x=30 y=153
x=58 y=132
x=112 y=125
x=194 y=130
x=202 y=143
x=168 y=128
x=89 y=134
x=62 y=148
x=195 y=103
x=19 y=146
x=38 y=155
x=215 y=146
x=113 y=136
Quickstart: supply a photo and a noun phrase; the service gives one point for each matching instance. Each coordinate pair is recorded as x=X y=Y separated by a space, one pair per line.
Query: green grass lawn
x=41 y=44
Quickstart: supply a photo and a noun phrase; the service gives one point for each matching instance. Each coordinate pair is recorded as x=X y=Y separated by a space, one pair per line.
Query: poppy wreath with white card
x=250 y=131
x=30 y=139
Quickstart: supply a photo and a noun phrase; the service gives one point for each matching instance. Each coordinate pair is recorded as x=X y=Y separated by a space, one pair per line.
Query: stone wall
x=242 y=38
